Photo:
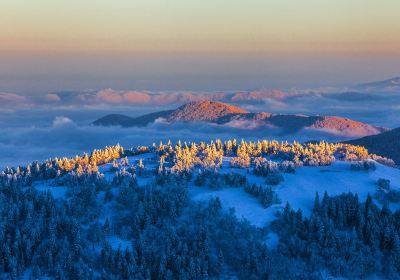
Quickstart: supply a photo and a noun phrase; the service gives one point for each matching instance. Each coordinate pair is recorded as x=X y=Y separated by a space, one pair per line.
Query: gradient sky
x=186 y=44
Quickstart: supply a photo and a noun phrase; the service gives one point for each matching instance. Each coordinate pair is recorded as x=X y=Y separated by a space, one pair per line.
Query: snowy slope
x=245 y=205
x=298 y=189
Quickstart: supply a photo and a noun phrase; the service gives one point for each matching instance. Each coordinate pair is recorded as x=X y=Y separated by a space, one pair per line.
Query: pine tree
x=316 y=203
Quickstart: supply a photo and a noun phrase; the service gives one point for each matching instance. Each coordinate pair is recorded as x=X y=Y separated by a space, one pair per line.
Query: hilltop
x=204 y=111
x=229 y=115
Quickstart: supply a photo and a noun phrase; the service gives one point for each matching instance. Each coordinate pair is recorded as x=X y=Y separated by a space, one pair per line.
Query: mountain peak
x=205 y=110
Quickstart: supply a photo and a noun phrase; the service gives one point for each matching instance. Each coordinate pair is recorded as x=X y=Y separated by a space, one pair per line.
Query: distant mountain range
x=392 y=84
x=225 y=114
x=386 y=144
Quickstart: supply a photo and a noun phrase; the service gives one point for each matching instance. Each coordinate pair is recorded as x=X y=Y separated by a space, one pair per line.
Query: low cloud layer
x=117 y=98
x=57 y=124
x=65 y=138
x=342 y=102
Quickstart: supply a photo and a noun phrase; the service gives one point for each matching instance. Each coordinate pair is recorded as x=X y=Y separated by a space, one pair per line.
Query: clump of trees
x=384 y=193
x=243 y=153
x=185 y=157
x=383 y=160
x=89 y=163
x=366 y=165
x=265 y=194
x=274 y=179
x=264 y=167
x=383 y=184
x=348 y=238
x=216 y=180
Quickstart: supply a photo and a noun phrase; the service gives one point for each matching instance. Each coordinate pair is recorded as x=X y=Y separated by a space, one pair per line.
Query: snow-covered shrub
x=383 y=184
x=383 y=160
x=393 y=196
x=235 y=180
x=265 y=194
x=265 y=167
x=108 y=196
x=287 y=166
x=124 y=161
x=124 y=178
x=114 y=167
x=366 y=165
x=384 y=194
x=274 y=178
x=200 y=179
x=240 y=162
x=72 y=179
x=216 y=180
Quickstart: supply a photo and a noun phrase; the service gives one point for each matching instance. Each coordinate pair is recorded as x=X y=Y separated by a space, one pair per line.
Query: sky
x=49 y=45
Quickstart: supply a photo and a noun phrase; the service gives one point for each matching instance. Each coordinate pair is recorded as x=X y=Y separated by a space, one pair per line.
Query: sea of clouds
x=57 y=124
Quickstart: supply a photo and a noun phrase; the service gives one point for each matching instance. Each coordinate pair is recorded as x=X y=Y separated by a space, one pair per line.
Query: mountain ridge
x=384 y=144
x=388 y=84
x=225 y=114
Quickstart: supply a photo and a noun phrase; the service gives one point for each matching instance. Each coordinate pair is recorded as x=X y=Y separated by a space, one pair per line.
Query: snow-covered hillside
x=228 y=208
x=298 y=189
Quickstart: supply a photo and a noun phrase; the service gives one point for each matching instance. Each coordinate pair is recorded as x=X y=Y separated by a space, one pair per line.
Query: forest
x=168 y=235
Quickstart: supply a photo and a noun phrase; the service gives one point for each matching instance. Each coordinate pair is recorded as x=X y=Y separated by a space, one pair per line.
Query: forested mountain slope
x=385 y=144
x=238 y=210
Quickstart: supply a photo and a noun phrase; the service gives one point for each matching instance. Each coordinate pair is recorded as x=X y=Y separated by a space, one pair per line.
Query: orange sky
x=208 y=26
x=190 y=44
